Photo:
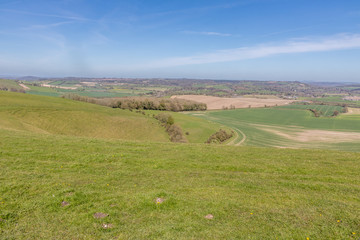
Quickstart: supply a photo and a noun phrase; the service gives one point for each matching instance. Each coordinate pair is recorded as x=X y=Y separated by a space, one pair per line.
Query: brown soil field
x=23 y=86
x=353 y=111
x=240 y=102
x=302 y=135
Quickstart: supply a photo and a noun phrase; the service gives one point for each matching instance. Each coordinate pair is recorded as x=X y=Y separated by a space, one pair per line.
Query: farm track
x=238 y=132
x=243 y=137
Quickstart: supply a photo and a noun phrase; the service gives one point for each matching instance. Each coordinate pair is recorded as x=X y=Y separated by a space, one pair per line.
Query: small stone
x=65 y=203
x=100 y=215
x=107 y=225
x=159 y=200
x=209 y=216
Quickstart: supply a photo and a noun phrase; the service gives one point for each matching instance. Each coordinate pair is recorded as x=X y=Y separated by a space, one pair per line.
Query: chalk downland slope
x=66 y=117
x=241 y=102
x=64 y=187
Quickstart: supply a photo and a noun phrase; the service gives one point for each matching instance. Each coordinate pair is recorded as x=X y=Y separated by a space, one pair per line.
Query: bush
x=174 y=131
x=220 y=136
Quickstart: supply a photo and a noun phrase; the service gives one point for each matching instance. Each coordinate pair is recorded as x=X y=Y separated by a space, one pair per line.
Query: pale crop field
x=214 y=103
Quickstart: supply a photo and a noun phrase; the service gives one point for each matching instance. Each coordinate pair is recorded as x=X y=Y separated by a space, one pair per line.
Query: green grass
x=51 y=115
x=198 y=129
x=325 y=110
x=336 y=99
x=253 y=122
x=43 y=91
x=9 y=84
x=253 y=193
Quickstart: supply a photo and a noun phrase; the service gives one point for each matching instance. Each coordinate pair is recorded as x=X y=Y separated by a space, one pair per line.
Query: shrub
x=174 y=131
x=220 y=136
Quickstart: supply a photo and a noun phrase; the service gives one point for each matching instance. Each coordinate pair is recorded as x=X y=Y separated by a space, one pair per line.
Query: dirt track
x=219 y=103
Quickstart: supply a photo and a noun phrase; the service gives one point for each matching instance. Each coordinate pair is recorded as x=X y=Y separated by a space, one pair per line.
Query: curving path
x=238 y=132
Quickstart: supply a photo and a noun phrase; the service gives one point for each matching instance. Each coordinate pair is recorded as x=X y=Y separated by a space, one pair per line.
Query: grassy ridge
x=255 y=193
x=61 y=116
x=9 y=84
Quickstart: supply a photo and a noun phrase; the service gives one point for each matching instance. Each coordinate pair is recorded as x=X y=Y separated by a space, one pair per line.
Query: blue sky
x=303 y=40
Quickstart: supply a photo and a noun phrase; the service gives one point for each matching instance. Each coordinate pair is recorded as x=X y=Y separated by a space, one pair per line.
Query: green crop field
x=288 y=127
x=325 y=110
x=65 y=175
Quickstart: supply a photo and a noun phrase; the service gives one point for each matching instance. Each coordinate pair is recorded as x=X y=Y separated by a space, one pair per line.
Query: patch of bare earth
x=209 y=216
x=353 y=111
x=65 y=203
x=214 y=103
x=23 y=86
x=306 y=135
x=100 y=215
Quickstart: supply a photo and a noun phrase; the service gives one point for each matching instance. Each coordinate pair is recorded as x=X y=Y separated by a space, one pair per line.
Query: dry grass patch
x=307 y=135
x=353 y=111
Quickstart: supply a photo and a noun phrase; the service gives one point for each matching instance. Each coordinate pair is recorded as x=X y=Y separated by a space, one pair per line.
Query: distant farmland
x=285 y=127
x=214 y=103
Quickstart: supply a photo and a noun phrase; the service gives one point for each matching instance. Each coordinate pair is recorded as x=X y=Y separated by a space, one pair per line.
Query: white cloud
x=45 y=26
x=208 y=33
x=332 y=43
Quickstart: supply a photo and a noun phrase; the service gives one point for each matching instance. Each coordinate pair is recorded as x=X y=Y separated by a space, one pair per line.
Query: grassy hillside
x=9 y=84
x=252 y=193
x=296 y=128
x=65 y=117
x=62 y=116
x=199 y=130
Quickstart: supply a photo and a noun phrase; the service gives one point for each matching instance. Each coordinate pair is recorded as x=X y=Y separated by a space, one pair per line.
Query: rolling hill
x=66 y=174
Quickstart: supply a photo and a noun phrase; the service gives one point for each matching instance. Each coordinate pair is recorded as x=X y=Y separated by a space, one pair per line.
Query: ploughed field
x=55 y=185
x=290 y=126
x=214 y=103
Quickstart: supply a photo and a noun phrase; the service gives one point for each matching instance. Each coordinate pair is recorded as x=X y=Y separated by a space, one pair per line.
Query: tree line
x=144 y=103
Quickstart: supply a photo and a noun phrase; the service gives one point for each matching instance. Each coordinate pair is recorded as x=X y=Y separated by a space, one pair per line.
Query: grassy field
x=9 y=84
x=295 y=128
x=252 y=193
x=53 y=181
x=335 y=99
x=198 y=130
x=325 y=110
x=62 y=116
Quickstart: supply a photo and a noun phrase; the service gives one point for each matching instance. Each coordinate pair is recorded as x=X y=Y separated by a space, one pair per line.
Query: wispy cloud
x=46 y=26
x=332 y=43
x=208 y=33
x=77 y=18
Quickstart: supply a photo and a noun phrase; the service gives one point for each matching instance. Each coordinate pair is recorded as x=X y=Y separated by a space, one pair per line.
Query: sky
x=286 y=40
